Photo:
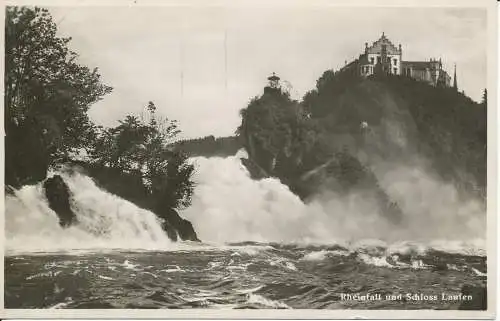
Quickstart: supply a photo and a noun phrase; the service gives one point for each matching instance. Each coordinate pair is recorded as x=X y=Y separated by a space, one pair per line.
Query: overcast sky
x=144 y=52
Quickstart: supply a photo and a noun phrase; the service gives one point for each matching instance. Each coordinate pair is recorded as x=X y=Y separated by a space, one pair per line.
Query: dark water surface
x=245 y=275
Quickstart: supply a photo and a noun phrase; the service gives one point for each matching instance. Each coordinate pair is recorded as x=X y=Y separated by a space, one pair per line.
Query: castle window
x=395 y=71
x=395 y=61
x=372 y=60
x=378 y=59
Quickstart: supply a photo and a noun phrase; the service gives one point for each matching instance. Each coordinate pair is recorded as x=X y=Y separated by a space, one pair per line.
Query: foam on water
x=259 y=299
x=228 y=206
x=105 y=221
x=375 y=260
x=315 y=256
x=478 y=273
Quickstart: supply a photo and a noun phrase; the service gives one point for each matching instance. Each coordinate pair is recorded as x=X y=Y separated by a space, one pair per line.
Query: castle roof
x=376 y=47
x=419 y=65
x=273 y=77
x=362 y=60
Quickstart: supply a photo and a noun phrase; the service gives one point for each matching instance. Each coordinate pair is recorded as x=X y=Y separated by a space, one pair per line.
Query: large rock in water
x=129 y=186
x=256 y=172
x=58 y=196
x=345 y=174
x=176 y=227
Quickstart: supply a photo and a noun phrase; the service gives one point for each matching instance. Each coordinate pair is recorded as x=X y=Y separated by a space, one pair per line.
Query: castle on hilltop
x=384 y=57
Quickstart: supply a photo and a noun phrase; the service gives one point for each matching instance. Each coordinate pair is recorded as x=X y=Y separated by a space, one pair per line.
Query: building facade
x=430 y=71
x=384 y=57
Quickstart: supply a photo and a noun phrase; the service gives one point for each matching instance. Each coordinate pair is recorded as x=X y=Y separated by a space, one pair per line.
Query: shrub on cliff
x=143 y=148
x=450 y=127
x=323 y=99
x=452 y=130
x=317 y=144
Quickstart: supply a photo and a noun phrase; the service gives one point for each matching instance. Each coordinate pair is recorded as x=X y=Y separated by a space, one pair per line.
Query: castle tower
x=274 y=84
x=382 y=56
x=455 y=78
x=274 y=81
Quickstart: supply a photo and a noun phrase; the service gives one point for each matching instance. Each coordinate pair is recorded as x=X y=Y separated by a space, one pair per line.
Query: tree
x=277 y=133
x=174 y=188
x=47 y=93
x=144 y=147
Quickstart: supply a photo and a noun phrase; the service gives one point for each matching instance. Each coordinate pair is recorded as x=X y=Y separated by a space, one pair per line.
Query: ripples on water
x=245 y=275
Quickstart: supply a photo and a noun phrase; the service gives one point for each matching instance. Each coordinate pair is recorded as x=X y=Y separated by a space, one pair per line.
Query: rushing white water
x=105 y=221
x=228 y=206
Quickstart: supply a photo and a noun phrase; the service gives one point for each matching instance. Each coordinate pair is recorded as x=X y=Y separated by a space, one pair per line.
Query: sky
x=201 y=65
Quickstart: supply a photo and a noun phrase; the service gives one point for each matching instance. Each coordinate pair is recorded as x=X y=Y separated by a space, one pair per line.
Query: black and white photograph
x=250 y=157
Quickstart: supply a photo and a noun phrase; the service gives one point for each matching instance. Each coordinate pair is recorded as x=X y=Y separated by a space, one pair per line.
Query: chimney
x=366 y=47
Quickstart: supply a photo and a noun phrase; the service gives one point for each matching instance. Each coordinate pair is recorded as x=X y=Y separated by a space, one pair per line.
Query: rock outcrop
x=129 y=186
x=9 y=190
x=344 y=174
x=176 y=227
x=351 y=135
x=58 y=196
x=256 y=172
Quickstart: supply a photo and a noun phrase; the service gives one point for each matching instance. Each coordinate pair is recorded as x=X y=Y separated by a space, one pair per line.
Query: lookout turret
x=274 y=83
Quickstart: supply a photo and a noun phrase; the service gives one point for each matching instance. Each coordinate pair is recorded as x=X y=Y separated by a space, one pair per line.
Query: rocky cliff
x=365 y=136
